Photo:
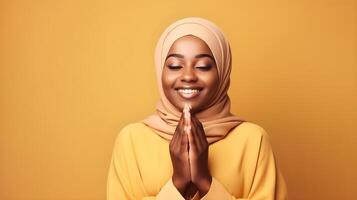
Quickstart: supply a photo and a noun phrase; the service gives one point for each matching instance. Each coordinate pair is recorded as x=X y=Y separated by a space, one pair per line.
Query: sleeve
x=119 y=184
x=268 y=182
x=124 y=180
x=169 y=191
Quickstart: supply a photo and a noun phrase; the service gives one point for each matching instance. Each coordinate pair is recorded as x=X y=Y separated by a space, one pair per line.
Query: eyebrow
x=203 y=55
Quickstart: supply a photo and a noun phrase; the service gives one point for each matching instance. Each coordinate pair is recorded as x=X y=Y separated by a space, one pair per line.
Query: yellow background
x=73 y=73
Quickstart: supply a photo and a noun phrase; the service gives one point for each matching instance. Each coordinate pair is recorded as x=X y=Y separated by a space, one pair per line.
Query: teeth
x=188 y=91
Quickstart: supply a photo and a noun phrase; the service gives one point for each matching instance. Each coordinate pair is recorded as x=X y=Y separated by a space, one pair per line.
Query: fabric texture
x=217 y=119
x=242 y=165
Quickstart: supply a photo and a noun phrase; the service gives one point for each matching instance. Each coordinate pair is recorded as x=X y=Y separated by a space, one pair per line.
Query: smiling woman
x=194 y=147
x=190 y=74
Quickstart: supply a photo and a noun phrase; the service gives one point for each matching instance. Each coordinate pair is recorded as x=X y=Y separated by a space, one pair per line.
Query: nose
x=188 y=75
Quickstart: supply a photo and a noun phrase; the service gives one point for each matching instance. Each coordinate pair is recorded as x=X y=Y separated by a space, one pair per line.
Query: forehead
x=190 y=44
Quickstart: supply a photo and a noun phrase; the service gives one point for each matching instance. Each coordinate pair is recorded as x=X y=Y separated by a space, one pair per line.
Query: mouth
x=188 y=93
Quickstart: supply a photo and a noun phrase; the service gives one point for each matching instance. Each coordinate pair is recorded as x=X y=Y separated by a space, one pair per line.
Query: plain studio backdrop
x=73 y=73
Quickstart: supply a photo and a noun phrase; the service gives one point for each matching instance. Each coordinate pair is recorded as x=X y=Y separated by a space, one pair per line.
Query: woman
x=200 y=153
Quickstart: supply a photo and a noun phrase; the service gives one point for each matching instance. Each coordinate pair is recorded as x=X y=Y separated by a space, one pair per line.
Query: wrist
x=204 y=185
x=180 y=184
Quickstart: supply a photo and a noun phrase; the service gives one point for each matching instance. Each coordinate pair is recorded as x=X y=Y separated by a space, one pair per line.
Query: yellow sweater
x=242 y=166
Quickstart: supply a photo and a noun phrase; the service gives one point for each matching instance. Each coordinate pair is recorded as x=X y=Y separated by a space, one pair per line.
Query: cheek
x=212 y=89
x=168 y=81
x=211 y=82
x=164 y=79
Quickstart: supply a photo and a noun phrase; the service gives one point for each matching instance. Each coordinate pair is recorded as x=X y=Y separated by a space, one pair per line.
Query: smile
x=189 y=93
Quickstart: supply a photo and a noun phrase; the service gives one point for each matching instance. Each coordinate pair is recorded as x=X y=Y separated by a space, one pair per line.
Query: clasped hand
x=189 y=156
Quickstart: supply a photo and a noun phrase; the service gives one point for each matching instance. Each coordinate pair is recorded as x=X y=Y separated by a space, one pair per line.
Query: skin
x=190 y=63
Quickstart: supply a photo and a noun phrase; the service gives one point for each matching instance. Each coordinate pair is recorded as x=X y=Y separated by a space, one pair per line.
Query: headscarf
x=216 y=119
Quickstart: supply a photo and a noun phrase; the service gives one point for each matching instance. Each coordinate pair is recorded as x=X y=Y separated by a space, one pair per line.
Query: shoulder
x=132 y=127
x=247 y=134
x=248 y=138
x=253 y=135
x=130 y=132
x=249 y=129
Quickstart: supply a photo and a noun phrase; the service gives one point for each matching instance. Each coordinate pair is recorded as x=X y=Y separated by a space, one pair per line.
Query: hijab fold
x=216 y=119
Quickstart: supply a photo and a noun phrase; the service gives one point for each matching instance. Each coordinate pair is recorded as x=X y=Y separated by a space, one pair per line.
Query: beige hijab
x=216 y=119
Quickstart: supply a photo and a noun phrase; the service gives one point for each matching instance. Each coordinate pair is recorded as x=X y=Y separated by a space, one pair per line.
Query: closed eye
x=174 y=67
x=204 y=68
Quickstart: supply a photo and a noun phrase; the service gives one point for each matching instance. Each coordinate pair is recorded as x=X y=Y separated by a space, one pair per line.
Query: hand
x=179 y=157
x=198 y=156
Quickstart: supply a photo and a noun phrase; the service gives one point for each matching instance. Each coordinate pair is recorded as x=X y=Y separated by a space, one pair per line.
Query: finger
x=187 y=121
x=174 y=138
x=201 y=133
x=177 y=130
x=195 y=124
x=177 y=135
x=195 y=139
x=181 y=123
x=197 y=134
x=194 y=150
x=187 y=115
x=188 y=132
x=184 y=143
x=181 y=126
x=183 y=136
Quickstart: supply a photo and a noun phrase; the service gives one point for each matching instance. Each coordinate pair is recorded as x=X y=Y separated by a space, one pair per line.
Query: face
x=190 y=74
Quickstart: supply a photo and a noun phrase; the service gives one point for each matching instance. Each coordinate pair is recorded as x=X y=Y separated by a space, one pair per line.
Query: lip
x=189 y=87
x=189 y=95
